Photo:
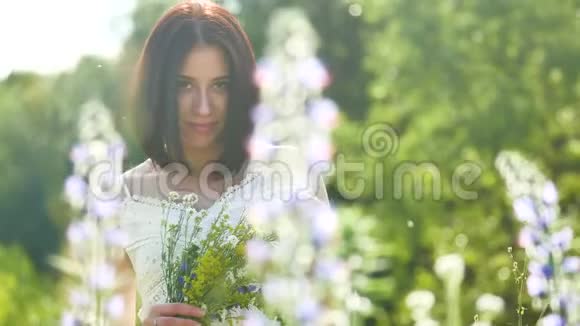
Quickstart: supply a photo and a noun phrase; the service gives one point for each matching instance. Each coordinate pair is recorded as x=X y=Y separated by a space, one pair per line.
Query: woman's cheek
x=184 y=101
x=221 y=104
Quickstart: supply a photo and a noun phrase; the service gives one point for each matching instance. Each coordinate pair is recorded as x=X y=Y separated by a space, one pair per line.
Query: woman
x=193 y=100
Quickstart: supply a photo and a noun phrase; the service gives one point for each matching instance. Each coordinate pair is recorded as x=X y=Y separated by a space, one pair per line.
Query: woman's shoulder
x=143 y=168
x=140 y=175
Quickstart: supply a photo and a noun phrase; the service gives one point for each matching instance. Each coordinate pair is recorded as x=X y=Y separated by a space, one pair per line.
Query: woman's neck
x=198 y=159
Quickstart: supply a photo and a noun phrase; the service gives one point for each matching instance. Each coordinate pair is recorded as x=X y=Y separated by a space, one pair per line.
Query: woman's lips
x=202 y=127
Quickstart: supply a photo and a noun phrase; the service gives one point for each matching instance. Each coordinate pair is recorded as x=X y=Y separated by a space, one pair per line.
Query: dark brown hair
x=184 y=26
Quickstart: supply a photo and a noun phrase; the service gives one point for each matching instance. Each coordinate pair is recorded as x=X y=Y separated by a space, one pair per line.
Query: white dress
x=140 y=218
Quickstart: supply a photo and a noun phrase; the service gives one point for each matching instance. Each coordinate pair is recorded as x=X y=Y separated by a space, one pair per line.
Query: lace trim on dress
x=230 y=191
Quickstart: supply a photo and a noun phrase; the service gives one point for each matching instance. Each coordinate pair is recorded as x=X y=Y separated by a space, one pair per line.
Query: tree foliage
x=460 y=81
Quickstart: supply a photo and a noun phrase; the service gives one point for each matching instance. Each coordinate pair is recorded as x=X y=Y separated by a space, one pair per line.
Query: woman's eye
x=221 y=85
x=184 y=84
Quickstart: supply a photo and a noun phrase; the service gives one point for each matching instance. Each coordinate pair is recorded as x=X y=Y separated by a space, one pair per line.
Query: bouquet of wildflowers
x=204 y=262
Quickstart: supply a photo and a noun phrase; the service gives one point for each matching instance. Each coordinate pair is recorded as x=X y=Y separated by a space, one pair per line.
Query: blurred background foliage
x=458 y=80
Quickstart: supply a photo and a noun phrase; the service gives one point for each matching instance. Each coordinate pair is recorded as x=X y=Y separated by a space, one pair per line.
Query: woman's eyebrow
x=222 y=77
x=186 y=77
x=193 y=79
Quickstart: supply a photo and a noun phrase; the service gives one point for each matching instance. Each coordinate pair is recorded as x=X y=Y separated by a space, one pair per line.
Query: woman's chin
x=196 y=141
x=200 y=144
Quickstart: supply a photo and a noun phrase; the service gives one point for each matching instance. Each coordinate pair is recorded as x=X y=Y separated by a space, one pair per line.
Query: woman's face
x=202 y=97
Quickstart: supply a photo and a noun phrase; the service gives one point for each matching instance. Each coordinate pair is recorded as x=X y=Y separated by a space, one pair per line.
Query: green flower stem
x=452 y=292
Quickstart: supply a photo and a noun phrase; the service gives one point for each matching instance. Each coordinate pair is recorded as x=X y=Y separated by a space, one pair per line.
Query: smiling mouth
x=202 y=127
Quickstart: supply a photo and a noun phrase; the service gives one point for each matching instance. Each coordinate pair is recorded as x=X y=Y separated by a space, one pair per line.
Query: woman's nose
x=203 y=106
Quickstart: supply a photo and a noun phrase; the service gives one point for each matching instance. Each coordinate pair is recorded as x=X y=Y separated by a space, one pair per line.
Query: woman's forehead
x=205 y=62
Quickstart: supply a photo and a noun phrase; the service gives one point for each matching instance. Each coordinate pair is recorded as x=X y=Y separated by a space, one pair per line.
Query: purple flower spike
x=552 y=320
x=183 y=266
x=118 y=148
x=262 y=114
x=548 y=216
x=104 y=208
x=537 y=285
x=69 y=319
x=324 y=225
x=324 y=112
x=524 y=209
x=542 y=252
x=267 y=73
x=542 y=270
x=77 y=233
x=313 y=74
x=307 y=310
x=180 y=280
x=193 y=276
x=258 y=251
x=319 y=149
x=571 y=265
x=548 y=271
x=563 y=239
x=75 y=190
x=546 y=242
x=535 y=268
x=528 y=237
x=79 y=154
x=550 y=194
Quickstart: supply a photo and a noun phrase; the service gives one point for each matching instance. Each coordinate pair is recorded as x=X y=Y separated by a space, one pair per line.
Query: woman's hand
x=164 y=315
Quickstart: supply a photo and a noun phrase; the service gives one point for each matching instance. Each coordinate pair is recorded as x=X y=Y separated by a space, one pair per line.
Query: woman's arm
x=128 y=288
x=129 y=292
